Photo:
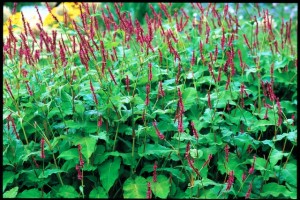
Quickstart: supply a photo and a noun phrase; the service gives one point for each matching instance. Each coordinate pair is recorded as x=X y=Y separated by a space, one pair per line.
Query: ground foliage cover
x=197 y=102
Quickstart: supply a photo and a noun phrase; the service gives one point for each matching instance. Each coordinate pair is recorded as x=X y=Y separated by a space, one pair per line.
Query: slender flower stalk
x=40 y=18
x=207 y=161
x=147 y=94
x=35 y=163
x=93 y=92
x=279 y=112
x=150 y=72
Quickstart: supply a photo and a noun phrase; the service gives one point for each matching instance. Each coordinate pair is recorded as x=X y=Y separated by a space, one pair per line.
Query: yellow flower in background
x=72 y=10
x=16 y=22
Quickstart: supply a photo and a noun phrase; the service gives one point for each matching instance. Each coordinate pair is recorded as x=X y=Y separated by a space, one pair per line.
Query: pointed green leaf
x=289 y=174
x=98 y=192
x=188 y=97
x=88 y=145
x=161 y=187
x=109 y=172
x=273 y=189
x=48 y=172
x=154 y=149
x=71 y=154
x=8 y=177
x=32 y=193
x=67 y=191
x=276 y=156
x=12 y=193
x=135 y=188
x=175 y=173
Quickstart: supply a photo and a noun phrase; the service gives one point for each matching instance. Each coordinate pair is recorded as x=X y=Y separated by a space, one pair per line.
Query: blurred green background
x=138 y=10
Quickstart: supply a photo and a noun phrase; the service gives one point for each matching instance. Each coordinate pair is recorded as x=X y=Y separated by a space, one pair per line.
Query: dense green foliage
x=193 y=106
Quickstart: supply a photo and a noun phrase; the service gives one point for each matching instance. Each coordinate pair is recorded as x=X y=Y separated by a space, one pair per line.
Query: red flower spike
x=194 y=130
x=249 y=191
x=112 y=76
x=79 y=173
x=244 y=176
x=99 y=124
x=158 y=133
x=81 y=162
x=187 y=150
x=14 y=8
x=127 y=83
x=208 y=99
x=230 y=180
x=193 y=59
x=154 y=172
x=226 y=152
x=161 y=91
x=149 y=193
x=207 y=161
x=40 y=18
x=279 y=112
x=24 y=24
x=93 y=93
x=42 y=148
x=246 y=40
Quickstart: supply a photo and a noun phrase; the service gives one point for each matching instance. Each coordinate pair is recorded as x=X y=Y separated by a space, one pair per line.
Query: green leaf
x=72 y=124
x=12 y=193
x=71 y=154
x=188 y=97
x=48 y=172
x=98 y=192
x=109 y=172
x=67 y=191
x=175 y=173
x=66 y=104
x=289 y=174
x=8 y=177
x=135 y=188
x=260 y=163
x=88 y=145
x=276 y=156
x=273 y=189
x=32 y=193
x=161 y=188
x=154 y=149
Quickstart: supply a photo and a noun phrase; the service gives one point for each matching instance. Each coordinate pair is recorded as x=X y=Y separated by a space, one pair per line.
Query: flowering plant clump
x=192 y=101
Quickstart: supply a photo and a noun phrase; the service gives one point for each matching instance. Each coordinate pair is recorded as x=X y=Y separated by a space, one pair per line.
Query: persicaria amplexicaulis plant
x=205 y=91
